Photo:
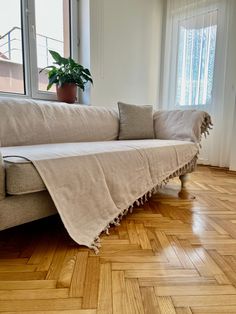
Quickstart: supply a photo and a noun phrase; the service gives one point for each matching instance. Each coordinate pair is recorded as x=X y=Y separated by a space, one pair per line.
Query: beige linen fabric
x=136 y=122
x=91 y=184
x=2 y=178
x=22 y=177
x=20 y=209
x=30 y=122
x=185 y=125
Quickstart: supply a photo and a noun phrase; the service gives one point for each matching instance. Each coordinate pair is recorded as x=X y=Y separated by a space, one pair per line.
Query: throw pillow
x=136 y=122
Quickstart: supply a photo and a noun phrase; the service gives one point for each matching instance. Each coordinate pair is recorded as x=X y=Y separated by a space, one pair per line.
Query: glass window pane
x=11 y=57
x=196 y=59
x=52 y=33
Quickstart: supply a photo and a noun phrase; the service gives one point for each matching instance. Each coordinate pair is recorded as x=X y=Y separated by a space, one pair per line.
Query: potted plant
x=67 y=75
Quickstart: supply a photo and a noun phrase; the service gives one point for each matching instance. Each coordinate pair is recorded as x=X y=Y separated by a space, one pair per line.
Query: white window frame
x=170 y=57
x=177 y=17
x=29 y=48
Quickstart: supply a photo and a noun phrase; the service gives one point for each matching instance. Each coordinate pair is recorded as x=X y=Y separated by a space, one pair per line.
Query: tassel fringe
x=189 y=167
x=205 y=127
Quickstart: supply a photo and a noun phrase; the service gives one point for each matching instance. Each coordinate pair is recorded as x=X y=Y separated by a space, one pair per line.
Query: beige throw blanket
x=184 y=125
x=94 y=184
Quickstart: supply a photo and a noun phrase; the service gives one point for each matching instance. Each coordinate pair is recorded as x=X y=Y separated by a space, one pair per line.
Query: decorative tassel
x=117 y=222
x=94 y=247
x=126 y=211
x=97 y=240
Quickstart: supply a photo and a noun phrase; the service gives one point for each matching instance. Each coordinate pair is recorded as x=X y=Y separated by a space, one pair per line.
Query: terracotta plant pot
x=67 y=93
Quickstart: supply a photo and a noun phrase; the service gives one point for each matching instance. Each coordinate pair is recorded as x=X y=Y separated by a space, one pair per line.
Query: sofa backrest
x=30 y=122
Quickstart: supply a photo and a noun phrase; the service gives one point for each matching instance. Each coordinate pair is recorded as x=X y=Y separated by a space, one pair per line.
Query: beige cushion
x=31 y=122
x=20 y=209
x=136 y=122
x=22 y=177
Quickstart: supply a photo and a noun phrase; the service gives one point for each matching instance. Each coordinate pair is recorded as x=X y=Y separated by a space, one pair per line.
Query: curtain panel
x=197 y=68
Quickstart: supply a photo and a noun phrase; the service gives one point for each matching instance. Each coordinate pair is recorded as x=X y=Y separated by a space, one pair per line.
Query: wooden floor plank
x=105 y=290
x=166 y=305
x=195 y=290
x=78 y=277
x=44 y=305
x=56 y=312
x=119 y=292
x=67 y=270
x=27 y=284
x=133 y=296
x=90 y=296
x=149 y=298
x=204 y=300
x=33 y=294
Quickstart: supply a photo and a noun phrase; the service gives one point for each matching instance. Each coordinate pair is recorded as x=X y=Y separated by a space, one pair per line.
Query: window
x=56 y=37
x=11 y=56
x=28 y=30
x=196 y=59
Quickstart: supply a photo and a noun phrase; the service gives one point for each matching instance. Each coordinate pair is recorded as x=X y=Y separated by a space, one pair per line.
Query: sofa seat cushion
x=22 y=177
x=93 y=184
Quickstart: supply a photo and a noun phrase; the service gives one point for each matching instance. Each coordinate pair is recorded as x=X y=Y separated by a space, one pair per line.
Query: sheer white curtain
x=195 y=73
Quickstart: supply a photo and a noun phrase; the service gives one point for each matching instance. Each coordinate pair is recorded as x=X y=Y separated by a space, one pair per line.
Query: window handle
x=34 y=32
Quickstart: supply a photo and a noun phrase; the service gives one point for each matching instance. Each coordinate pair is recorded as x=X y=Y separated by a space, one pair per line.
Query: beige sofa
x=23 y=194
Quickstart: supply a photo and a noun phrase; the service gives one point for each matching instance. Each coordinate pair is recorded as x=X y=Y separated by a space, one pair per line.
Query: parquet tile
x=175 y=254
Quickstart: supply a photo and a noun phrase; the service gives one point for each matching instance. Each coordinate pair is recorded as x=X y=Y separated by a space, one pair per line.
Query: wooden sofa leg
x=183 y=193
x=183 y=178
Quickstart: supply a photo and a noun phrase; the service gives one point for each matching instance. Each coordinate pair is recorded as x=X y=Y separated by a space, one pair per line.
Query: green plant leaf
x=49 y=86
x=56 y=56
x=48 y=67
x=86 y=78
x=67 y=71
x=52 y=80
x=87 y=72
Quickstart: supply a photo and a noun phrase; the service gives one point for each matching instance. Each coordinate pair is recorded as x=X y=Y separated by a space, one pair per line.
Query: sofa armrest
x=185 y=125
x=2 y=178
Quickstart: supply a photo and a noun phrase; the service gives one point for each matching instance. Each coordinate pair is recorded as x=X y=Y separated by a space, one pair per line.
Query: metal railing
x=11 y=47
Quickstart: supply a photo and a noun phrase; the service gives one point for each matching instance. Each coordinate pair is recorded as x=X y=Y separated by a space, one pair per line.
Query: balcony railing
x=11 y=47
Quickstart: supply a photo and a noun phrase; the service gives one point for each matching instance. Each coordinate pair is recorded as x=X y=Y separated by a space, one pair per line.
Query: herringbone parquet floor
x=173 y=255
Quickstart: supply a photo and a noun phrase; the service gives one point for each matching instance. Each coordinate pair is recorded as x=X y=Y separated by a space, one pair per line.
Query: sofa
x=32 y=132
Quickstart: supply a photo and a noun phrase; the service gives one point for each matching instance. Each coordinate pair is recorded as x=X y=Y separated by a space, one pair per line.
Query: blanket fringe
x=189 y=167
x=205 y=127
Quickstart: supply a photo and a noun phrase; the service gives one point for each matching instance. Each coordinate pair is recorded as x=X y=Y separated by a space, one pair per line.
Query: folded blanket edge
x=187 y=168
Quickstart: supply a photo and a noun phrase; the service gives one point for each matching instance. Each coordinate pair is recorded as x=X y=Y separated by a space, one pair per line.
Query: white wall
x=84 y=43
x=233 y=143
x=232 y=86
x=125 y=51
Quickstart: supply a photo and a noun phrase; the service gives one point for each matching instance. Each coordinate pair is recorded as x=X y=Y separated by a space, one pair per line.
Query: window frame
x=177 y=17
x=29 y=50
